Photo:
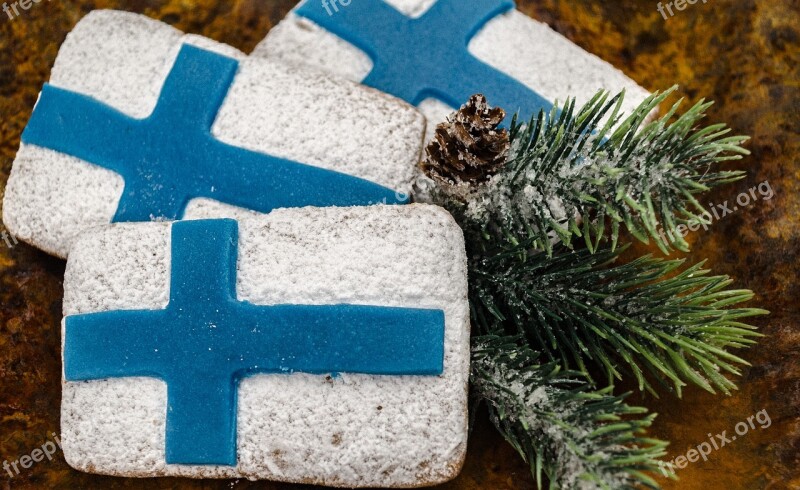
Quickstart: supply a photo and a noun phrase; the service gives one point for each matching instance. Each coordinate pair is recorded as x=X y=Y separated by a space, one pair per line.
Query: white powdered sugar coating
x=348 y=431
x=122 y=59
x=513 y=43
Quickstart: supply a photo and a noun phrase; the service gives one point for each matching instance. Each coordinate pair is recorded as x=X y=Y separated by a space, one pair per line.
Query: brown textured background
x=745 y=54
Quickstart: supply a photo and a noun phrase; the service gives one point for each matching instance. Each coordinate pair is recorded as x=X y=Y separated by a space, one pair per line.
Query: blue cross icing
x=171 y=157
x=206 y=341
x=428 y=57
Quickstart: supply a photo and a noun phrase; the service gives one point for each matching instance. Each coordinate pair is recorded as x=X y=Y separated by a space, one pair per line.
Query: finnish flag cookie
x=316 y=345
x=437 y=53
x=141 y=122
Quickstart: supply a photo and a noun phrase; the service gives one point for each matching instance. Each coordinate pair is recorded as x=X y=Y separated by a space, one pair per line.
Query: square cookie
x=141 y=122
x=342 y=332
x=437 y=53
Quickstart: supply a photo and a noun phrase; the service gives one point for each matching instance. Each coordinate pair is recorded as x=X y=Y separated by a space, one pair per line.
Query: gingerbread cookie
x=140 y=122
x=316 y=345
x=437 y=53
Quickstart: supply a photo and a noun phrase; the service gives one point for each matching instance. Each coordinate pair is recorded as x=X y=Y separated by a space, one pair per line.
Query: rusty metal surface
x=745 y=54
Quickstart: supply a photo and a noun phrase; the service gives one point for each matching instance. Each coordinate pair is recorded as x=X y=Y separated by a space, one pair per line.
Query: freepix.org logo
x=716 y=442
x=332 y=6
x=7 y=238
x=12 y=10
x=719 y=211
x=679 y=5
x=47 y=450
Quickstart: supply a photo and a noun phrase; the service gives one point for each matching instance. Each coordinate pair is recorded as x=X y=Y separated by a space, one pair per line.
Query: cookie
x=141 y=122
x=435 y=54
x=317 y=345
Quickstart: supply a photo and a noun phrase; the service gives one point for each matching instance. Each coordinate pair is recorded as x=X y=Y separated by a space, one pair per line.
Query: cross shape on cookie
x=428 y=57
x=206 y=340
x=171 y=157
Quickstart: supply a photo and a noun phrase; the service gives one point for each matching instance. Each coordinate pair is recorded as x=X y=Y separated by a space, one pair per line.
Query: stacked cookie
x=248 y=291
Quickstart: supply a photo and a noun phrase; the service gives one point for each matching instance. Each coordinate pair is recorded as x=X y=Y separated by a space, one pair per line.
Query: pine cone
x=468 y=148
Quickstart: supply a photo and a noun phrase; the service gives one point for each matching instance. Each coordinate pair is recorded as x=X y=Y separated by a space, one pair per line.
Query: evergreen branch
x=647 y=317
x=572 y=172
x=588 y=173
x=576 y=437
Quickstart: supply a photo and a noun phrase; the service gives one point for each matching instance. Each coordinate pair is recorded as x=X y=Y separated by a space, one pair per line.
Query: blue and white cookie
x=140 y=122
x=317 y=345
x=435 y=54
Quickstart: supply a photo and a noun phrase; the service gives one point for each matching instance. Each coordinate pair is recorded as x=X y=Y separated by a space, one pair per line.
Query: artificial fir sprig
x=648 y=317
x=586 y=172
x=574 y=435
x=534 y=294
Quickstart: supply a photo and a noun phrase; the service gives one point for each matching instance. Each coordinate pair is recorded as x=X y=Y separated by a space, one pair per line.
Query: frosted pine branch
x=575 y=437
x=650 y=317
x=588 y=172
